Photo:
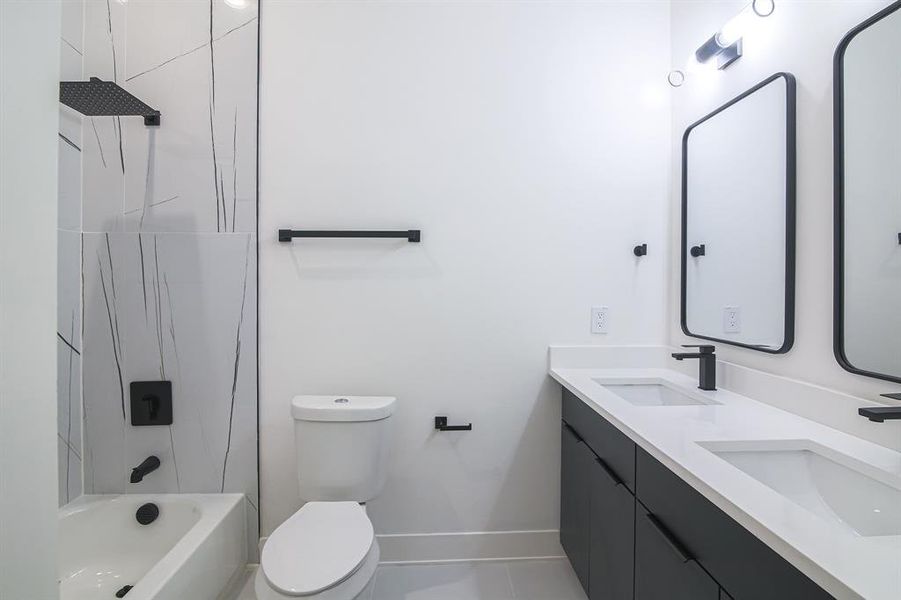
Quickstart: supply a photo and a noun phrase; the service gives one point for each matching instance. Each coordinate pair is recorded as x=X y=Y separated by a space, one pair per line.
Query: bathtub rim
x=214 y=509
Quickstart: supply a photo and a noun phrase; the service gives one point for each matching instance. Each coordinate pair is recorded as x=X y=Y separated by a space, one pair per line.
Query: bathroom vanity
x=672 y=492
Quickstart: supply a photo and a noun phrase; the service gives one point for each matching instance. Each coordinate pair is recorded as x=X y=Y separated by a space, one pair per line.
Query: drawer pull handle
x=614 y=478
x=670 y=539
x=570 y=429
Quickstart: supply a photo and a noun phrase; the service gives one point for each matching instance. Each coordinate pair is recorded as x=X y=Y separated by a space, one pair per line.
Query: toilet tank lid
x=342 y=408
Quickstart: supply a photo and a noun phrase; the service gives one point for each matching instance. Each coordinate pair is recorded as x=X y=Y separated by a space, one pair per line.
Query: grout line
x=510 y=580
x=375 y=579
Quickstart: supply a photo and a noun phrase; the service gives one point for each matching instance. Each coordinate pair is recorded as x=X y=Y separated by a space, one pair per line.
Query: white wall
x=530 y=143
x=800 y=37
x=29 y=116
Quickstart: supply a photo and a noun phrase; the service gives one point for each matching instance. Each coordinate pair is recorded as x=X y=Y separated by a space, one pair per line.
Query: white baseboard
x=469 y=546
x=411 y=548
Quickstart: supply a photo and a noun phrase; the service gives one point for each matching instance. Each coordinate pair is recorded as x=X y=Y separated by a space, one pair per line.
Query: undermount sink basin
x=653 y=394
x=815 y=478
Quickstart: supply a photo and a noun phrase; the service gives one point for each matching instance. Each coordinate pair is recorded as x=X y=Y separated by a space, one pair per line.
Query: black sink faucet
x=150 y=464
x=880 y=414
x=707 y=358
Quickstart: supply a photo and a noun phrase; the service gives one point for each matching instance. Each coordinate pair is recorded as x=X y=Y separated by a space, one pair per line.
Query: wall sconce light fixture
x=725 y=46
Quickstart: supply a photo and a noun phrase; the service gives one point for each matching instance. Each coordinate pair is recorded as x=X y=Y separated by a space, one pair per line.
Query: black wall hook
x=441 y=425
x=640 y=250
x=697 y=251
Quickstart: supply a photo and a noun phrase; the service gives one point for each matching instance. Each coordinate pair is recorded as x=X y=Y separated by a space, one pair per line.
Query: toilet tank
x=341 y=444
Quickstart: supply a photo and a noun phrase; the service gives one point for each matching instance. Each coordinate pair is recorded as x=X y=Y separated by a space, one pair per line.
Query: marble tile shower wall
x=169 y=246
x=69 y=413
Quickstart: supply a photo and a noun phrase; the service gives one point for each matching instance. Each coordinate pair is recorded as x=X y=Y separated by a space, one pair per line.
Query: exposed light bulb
x=736 y=27
x=741 y=23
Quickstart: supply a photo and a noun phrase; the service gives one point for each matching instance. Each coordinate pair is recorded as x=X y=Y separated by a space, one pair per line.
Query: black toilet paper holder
x=441 y=425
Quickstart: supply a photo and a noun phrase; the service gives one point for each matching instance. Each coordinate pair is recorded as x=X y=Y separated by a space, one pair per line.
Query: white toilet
x=327 y=550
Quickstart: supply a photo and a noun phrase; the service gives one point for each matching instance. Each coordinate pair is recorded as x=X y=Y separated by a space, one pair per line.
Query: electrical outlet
x=600 y=319
x=732 y=319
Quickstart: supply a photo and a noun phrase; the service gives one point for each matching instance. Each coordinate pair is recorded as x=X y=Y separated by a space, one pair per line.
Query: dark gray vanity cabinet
x=597 y=505
x=634 y=530
x=575 y=505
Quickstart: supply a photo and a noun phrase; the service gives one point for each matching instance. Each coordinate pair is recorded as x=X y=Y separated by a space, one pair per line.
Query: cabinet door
x=575 y=463
x=612 y=556
x=663 y=568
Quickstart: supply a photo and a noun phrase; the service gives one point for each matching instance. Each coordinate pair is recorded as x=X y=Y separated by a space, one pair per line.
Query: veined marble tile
x=169 y=287
x=103 y=150
x=69 y=473
x=178 y=307
x=68 y=285
x=68 y=320
x=69 y=412
x=197 y=171
x=69 y=60
x=69 y=421
x=160 y=31
x=69 y=197
x=103 y=45
x=72 y=23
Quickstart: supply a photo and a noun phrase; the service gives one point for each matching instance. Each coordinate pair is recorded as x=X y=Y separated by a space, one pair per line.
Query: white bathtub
x=193 y=549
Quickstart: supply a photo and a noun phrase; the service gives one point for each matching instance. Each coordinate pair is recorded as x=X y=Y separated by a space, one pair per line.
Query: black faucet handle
x=702 y=348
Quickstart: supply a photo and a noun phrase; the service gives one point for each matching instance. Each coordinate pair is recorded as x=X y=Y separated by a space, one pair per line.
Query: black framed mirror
x=867 y=327
x=738 y=220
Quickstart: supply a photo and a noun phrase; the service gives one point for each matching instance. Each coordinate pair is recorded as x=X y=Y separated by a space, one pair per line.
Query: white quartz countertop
x=843 y=562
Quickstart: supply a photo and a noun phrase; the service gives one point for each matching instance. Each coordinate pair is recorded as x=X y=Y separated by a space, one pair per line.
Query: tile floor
x=512 y=580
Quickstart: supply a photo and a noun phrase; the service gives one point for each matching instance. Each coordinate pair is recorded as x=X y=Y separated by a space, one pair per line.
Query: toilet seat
x=317 y=548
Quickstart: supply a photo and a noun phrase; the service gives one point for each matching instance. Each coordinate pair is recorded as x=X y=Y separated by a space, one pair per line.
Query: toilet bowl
x=325 y=551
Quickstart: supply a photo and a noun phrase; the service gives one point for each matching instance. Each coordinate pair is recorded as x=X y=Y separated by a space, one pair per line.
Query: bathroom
x=388 y=300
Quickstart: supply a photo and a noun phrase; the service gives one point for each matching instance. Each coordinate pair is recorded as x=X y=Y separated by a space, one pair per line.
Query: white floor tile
x=478 y=581
x=544 y=580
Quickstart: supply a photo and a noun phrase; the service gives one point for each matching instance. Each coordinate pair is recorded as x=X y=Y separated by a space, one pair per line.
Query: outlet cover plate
x=732 y=319
x=600 y=319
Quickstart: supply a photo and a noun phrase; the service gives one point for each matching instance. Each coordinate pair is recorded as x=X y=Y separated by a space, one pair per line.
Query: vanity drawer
x=746 y=567
x=605 y=440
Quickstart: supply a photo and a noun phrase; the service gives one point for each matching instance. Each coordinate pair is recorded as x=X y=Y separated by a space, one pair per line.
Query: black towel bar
x=286 y=235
